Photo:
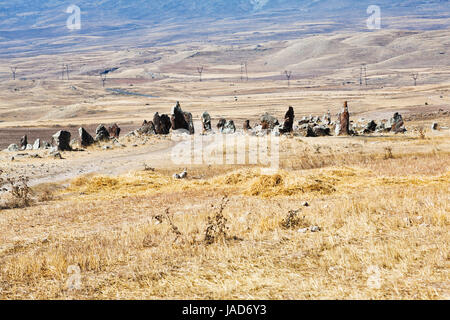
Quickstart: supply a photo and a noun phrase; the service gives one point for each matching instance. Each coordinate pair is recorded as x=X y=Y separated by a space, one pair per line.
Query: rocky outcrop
x=85 y=138
x=61 y=140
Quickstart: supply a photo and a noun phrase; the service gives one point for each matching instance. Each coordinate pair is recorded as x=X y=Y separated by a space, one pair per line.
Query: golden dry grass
x=384 y=231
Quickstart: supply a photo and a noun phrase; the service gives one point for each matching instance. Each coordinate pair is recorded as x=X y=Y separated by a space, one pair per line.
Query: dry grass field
x=357 y=217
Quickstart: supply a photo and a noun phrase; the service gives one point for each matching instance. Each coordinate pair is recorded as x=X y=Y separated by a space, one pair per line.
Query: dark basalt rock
x=101 y=133
x=288 y=121
x=114 y=131
x=85 y=138
x=61 y=140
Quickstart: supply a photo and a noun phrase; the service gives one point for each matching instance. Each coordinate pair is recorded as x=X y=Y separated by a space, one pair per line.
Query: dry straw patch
x=387 y=219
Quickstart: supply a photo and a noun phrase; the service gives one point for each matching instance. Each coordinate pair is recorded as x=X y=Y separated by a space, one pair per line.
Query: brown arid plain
x=376 y=223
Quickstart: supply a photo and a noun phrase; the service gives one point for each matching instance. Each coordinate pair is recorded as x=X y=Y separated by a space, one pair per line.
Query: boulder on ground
x=304 y=120
x=370 y=127
x=182 y=175
x=343 y=125
x=61 y=140
x=288 y=121
x=206 y=122
x=321 y=131
x=102 y=133
x=148 y=127
x=435 y=126
x=85 y=138
x=268 y=121
x=114 y=131
x=46 y=145
x=13 y=147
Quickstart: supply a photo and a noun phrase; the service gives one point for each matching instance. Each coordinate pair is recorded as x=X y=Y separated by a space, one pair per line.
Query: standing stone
x=247 y=126
x=61 y=140
x=326 y=119
x=288 y=121
x=190 y=122
x=37 y=144
x=221 y=124
x=397 y=124
x=178 y=119
x=102 y=133
x=85 y=138
x=229 y=127
x=114 y=131
x=343 y=126
x=206 y=122
x=162 y=123
x=165 y=124
x=23 y=142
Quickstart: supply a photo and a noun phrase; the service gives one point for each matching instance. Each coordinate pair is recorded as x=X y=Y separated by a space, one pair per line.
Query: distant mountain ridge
x=30 y=25
x=25 y=14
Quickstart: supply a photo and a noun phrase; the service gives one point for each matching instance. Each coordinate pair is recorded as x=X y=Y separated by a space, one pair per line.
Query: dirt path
x=114 y=161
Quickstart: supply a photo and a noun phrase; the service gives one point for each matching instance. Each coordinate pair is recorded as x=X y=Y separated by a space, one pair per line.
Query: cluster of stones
x=178 y=120
x=395 y=124
x=315 y=126
x=182 y=122
x=61 y=140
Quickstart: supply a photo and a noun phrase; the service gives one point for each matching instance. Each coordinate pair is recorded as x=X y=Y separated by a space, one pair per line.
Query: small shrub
x=293 y=220
x=388 y=153
x=216 y=229
x=20 y=192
